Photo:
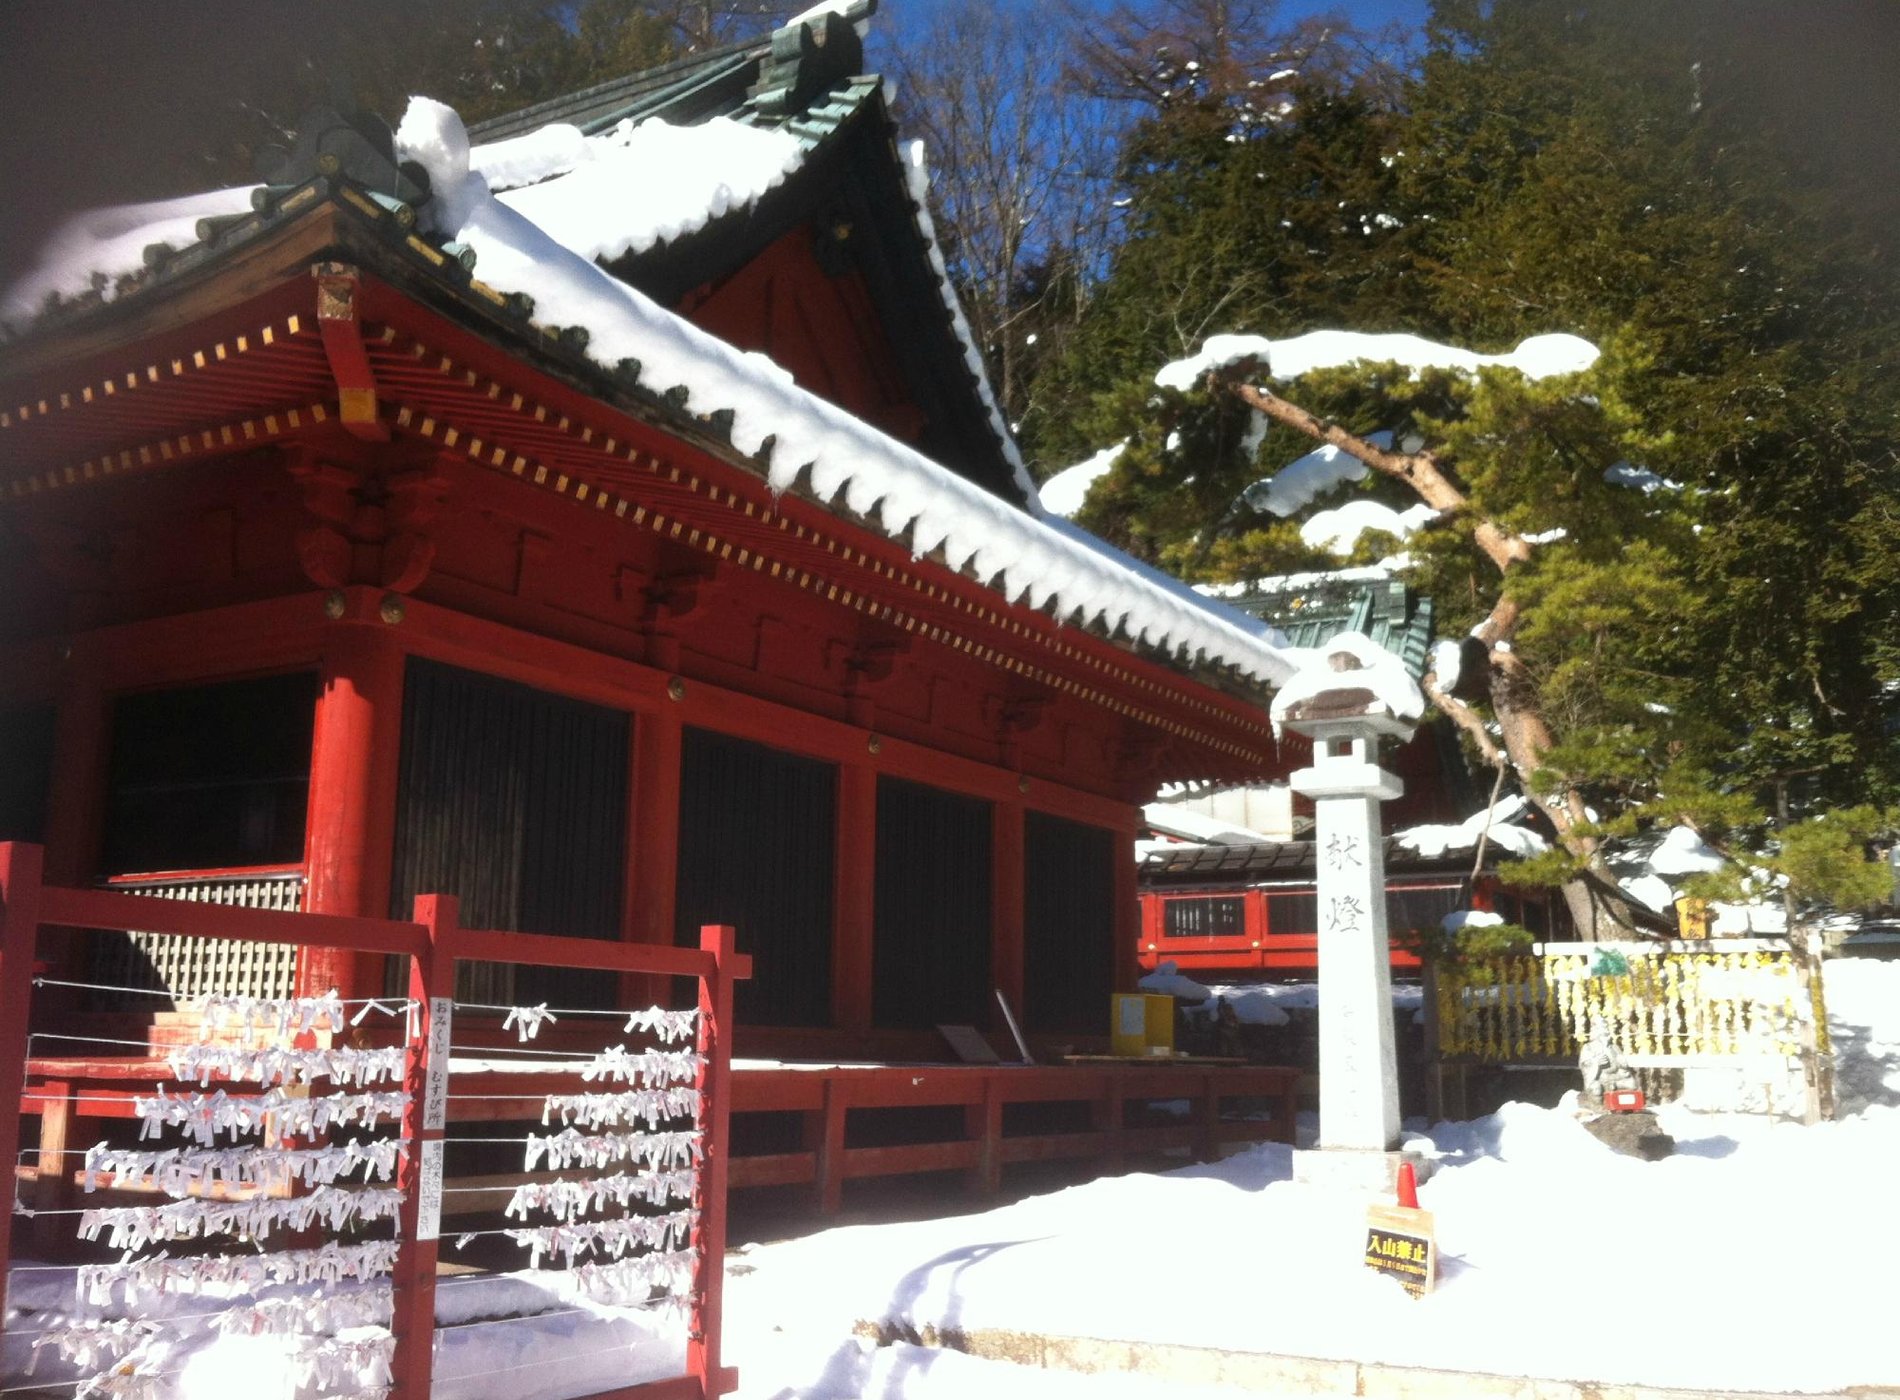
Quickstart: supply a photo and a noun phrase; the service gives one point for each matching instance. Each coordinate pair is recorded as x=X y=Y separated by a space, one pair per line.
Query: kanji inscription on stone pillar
x=1357 y=695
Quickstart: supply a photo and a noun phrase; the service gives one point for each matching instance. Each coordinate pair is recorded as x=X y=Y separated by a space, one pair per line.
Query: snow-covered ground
x=1751 y=1260
x=1742 y=1262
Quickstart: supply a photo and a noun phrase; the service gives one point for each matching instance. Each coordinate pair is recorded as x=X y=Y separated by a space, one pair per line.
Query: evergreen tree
x=1681 y=653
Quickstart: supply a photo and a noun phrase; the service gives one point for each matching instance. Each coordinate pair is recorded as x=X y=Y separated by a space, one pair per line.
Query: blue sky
x=1370 y=13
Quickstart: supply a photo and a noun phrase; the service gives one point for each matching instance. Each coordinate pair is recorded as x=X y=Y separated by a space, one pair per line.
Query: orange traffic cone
x=1408 y=1186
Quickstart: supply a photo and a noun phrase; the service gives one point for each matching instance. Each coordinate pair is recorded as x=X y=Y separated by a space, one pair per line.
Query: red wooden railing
x=432 y=945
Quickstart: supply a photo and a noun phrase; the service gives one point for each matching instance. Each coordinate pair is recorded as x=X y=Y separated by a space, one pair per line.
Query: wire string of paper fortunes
x=632 y=1282
x=138 y=1280
x=648 y=1106
x=570 y=1148
x=650 y=1068
x=670 y=1027
x=611 y=1239
x=204 y=1116
x=325 y=1285
x=278 y=1064
x=335 y=1208
x=282 y=1016
x=183 y=1171
x=88 y=1341
x=568 y=1200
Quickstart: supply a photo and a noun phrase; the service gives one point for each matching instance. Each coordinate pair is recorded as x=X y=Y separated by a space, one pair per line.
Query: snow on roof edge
x=917 y=179
x=1050 y=564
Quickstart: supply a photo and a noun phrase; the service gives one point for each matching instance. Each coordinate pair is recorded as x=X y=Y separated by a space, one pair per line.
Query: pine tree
x=1677 y=654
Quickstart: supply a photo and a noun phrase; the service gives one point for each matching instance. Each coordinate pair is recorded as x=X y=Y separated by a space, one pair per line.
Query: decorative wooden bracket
x=1012 y=717
x=342 y=331
x=366 y=528
x=1136 y=755
x=664 y=600
x=863 y=663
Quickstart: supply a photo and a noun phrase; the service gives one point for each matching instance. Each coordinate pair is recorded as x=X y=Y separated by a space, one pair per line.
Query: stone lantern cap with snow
x=1347 y=695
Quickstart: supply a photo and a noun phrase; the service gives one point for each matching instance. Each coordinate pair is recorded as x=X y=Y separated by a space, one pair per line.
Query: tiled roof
x=687 y=89
x=1389 y=613
x=1275 y=860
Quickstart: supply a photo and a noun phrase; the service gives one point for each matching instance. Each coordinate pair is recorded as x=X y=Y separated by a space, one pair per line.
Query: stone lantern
x=1350 y=696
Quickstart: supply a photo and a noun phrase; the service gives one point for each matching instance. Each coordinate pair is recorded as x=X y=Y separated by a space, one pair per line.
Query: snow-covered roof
x=1051 y=564
x=94 y=249
x=1172 y=819
x=589 y=200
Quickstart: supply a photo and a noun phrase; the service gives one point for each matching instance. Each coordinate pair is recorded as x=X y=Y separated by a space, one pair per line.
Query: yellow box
x=1141 y=1023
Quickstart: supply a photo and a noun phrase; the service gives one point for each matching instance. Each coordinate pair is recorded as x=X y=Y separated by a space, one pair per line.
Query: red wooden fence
x=432 y=945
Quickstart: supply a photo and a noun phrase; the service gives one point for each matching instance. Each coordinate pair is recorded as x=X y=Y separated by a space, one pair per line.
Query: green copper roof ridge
x=546 y=112
x=655 y=103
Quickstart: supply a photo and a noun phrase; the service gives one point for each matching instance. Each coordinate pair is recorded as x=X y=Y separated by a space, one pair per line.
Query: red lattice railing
x=250 y=1082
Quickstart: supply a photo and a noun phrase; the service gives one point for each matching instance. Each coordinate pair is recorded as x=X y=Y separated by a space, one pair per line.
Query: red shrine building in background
x=339 y=571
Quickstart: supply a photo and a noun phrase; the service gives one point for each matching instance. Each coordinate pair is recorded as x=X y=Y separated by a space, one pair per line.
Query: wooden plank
x=984 y=1124
x=774 y=1169
x=778 y=1091
x=909 y=1157
x=108 y=909
x=1207 y=1121
x=52 y=1191
x=592 y=954
x=919 y=1087
x=1054 y=1147
x=828 y=1175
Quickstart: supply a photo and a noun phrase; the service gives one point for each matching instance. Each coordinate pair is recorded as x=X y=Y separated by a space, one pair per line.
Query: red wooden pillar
x=20 y=873
x=654 y=835
x=1127 y=934
x=352 y=822
x=715 y=1125
x=81 y=739
x=854 y=898
x=1006 y=908
x=419 y=1221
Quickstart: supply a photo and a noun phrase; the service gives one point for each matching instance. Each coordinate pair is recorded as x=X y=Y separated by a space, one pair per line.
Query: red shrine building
x=617 y=553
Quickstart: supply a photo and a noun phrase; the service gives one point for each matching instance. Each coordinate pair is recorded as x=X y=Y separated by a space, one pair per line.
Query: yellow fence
x=1656 y=1002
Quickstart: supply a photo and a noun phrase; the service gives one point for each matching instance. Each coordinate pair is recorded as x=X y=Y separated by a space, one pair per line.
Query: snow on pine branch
x=1305 y=479
x=1338 y=530
x=1539 y=357
x=1492 y=824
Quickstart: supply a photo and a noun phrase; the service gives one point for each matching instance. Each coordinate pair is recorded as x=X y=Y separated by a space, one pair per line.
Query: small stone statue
x=1603 y=1069
x=1632 y=1134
